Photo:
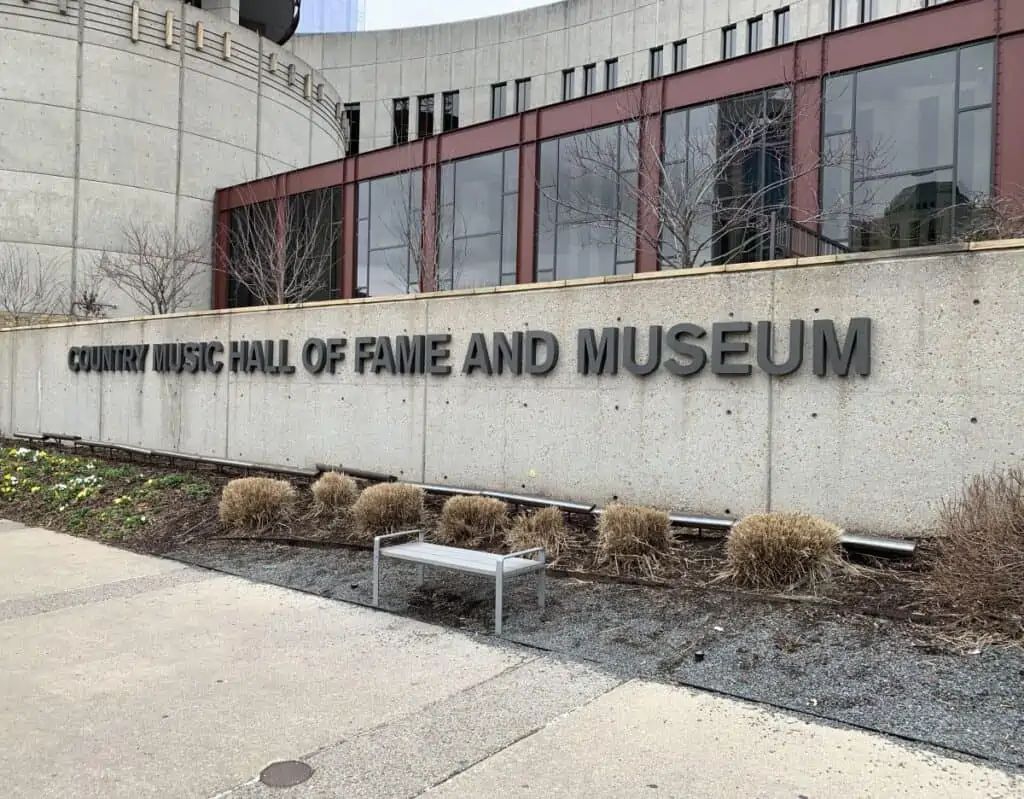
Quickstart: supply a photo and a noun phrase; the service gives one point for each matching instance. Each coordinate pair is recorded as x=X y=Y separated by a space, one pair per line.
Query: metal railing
x=789 y=239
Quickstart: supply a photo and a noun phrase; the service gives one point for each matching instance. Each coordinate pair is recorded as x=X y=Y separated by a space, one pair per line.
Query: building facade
x=886 y=134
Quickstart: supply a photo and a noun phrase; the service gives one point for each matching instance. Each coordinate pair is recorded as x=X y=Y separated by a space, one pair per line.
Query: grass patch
x=469 y=521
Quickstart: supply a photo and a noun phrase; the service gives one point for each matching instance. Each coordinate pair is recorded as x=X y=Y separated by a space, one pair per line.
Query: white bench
x=468 y=561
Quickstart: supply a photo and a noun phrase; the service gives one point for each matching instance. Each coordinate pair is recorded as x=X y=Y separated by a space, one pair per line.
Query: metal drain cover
x=286 y=773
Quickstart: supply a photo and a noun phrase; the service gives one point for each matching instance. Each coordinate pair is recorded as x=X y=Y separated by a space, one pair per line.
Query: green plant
x=782 y=550
x=466 y=521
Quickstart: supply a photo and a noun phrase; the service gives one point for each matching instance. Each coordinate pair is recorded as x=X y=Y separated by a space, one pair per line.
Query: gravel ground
x=805 y=656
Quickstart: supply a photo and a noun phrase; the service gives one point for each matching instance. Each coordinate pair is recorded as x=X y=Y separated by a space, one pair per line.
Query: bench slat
x=465 y=560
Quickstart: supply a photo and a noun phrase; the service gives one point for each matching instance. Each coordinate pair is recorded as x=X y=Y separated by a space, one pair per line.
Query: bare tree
x=724 y=176
x=32 y=288
x=155 y=267
x=89 y=300
x=990 y=217
x=282 y=251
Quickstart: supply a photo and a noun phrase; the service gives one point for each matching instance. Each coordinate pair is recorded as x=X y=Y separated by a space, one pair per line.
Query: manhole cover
x=286 y=773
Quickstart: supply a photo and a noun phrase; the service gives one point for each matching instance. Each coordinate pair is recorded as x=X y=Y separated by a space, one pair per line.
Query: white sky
x=407 y=13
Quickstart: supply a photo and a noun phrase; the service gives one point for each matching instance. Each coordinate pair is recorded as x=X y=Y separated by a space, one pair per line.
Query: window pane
x=511 y=170
x=976 y=74
x=477 y=200
x=904 y=211
x=905 y=115
x=974 y=154
x=548 y=163
x=838 y=104
x=478 y=262
x=388 y=272
x=509 y=231
x=674 y=137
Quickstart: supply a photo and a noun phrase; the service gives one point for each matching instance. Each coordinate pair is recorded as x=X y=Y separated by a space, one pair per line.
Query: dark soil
x=867 y=650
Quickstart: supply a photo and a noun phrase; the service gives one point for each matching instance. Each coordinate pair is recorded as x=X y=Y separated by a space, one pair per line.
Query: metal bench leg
x=542 y=579
x=499 y=590
x=376 y=573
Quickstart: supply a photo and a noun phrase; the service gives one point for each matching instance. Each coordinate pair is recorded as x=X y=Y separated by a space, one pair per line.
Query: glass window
x=589 y=79
x=867 y=10
x=655 y=62
x=400 y=120
x=781 y=33
x=351 y=127
x=754 y=34
x=389 y=235
x=425 y=116
x=836 y=14
x=727 y=171
x=611 y=73
x=477 y=224
x=522 y=94
x=728 y=42
x=922 y=148
x=587 y=204
x=450 y=118
x=679 y=56
x=568 y=81
x=498 y=100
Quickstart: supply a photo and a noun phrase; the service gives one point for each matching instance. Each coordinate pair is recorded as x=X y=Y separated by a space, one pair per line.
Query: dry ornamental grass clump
x=629 y=532
x=543 y=528
x=387 y=507
x=256 y=503
x=334 y=492
x=782 y=550
x=979 y=568
x=467 y=521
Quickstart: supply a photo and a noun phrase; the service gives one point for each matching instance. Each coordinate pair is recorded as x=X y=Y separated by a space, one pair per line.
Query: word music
x=732 y=349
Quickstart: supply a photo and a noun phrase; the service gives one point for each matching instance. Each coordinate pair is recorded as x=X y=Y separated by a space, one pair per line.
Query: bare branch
x=154 y=267
x=89 y=300
x=32 y=288
x=724 y=176
x=990 y=217
x=284 y=257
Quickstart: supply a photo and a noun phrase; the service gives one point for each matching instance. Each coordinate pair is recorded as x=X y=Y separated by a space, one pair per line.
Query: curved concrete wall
x=103 y=119
x=374 y=67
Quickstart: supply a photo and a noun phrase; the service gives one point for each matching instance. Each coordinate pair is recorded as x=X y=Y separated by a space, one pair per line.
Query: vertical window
x=754 y=34
x=400 y=120
x=867 y=10
x=679 y=56
x=568 y=81
x=425 y=116
x=522 y=94
x=389 y=241
x=781 y=32
x=656 y=65
x=611 y=73
x=498 y=100
x=476 y=221
x=351 y=123
x=589 y=79
x=836 y=14
x=728 y=42
x=450 y=111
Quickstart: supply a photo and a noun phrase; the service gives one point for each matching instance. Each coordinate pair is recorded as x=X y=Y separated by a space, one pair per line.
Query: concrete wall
x=374 y=67
x=874 y=453
x=98 y=128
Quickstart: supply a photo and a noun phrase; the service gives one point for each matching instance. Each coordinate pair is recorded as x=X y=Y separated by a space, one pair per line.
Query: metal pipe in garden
x=362 y=474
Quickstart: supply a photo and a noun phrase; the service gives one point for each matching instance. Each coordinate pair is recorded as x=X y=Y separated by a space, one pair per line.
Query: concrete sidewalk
x=129 y=676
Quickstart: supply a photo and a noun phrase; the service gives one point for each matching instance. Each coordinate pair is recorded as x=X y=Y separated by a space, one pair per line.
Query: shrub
x=255 y=503
x=542 y=528
x=466 y=521
x=782 y=550
x=387 y=507
x=334 y=492
x=629 y=531
x=979 y=567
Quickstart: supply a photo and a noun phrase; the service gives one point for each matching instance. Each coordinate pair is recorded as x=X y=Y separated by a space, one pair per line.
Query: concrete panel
x=51 y=79
x=36 y=208
x=219 y=110
x=104 y=208
x=284 y=130
x=350 y=418
x=37 y=138
x=71 y=403
x=129 y=153
x=208 y=162
x=325 y=146
x=123 y=84
x=7 y=342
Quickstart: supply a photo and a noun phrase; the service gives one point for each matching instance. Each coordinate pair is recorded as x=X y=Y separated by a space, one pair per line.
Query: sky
x=407 y=13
